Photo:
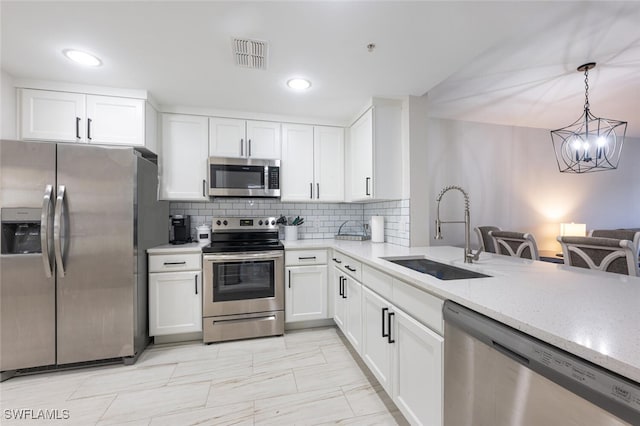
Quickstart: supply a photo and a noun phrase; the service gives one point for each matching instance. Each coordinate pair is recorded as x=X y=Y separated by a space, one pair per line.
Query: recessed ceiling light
x=299 y=83
x=82 y=58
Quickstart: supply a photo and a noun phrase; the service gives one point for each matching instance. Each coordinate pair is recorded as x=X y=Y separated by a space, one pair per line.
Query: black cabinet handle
x=317 y=190
x=289 y=278
x=196 y=284
x=204 y=185
x=306 y=258
x=175 y=263
x=389 y=339
x=350 y=268
x=311 y=190
x=344 y=287
x=249 y=149
x=77 y=127
x=241 y=147
x=384 y=310
x=89 y=128
x=366 y=181
x=336 y=260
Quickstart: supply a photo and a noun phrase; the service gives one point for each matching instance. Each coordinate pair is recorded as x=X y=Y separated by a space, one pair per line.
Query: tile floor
x=306 y=377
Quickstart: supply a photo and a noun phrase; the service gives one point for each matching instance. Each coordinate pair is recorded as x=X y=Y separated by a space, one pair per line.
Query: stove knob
x=266 y=222
x=273 y=222
x=218 y=222
x=260 y=222
x=225 y=223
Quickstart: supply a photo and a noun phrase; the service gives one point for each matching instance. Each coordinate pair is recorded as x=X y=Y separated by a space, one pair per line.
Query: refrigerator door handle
x=57 y=228
x=44 y=230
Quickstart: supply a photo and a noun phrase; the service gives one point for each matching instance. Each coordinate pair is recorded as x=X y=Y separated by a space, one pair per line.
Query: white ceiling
x=498 y=62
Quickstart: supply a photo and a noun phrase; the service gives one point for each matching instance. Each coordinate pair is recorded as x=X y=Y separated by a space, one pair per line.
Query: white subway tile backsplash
x=321 y=220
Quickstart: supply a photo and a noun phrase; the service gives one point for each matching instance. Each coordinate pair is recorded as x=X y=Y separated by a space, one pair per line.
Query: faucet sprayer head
x=438 y=231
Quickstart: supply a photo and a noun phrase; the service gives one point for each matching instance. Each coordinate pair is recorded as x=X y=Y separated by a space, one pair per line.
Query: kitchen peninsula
x=593 y=315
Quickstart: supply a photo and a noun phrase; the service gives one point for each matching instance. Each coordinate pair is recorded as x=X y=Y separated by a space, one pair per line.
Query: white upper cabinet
x=76 y=117
x=113 y=120
x=54 y=116
x=244 y=139
x=183 y=165
x=374 y=159
x=312 y=163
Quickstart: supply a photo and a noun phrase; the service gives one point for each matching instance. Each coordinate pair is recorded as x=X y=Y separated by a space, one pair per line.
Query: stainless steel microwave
x=243 y=177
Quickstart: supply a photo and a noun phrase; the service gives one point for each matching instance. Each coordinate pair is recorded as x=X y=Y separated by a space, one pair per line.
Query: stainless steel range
x=243 y=291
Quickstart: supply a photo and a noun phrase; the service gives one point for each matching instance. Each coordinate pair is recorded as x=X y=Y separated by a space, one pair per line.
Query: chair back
x=604 y=254
x=486 y=242
x=515 y=244
x=620 y=234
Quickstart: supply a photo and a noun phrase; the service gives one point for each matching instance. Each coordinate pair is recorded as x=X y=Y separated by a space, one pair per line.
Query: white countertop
x=176 y=248
x=594 y=315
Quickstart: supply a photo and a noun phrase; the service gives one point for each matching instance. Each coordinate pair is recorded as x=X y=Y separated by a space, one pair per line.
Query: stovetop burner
x=243 y=234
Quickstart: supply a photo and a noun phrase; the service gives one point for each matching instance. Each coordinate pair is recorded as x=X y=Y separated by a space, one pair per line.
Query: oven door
x=242 y=283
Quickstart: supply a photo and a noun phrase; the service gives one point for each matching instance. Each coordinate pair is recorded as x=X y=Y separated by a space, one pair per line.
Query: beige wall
x=513 y=180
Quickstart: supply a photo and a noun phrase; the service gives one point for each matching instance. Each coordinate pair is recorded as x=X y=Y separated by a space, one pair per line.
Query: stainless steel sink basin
x=435 y=269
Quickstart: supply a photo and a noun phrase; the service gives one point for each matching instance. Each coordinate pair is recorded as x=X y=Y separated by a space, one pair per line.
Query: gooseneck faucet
x=469 y=257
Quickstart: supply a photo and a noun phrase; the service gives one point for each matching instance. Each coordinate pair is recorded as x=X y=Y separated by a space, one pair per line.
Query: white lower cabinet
x=306 y=290
x=175 y=292
x=306 y=293
x=339 y=304
x=418 y=380
x=352 y=290
x=175 y=302
x=377 y=351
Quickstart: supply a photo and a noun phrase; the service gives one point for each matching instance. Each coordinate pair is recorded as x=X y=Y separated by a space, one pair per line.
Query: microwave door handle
x=44 y=230
x=57 y=230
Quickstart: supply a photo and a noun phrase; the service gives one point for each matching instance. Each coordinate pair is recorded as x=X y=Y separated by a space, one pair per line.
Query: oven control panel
x=243 y=223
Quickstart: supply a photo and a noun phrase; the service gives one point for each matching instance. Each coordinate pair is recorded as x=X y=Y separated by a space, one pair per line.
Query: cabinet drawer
x=421 y=305
x=175 y=262
x=305 y=257
x=347 y=264
x=377 y=281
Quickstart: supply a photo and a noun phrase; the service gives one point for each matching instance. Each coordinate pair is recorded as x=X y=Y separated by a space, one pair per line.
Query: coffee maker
x=180 y=231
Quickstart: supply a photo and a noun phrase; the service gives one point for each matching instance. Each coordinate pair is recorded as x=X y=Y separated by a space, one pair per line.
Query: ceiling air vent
x=250 y=53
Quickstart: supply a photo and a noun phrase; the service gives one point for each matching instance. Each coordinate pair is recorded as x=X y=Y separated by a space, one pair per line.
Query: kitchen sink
x=435 y=269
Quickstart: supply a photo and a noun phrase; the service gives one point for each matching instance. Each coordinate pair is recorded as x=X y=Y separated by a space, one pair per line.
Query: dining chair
x=604 y=254
x=486 y=242
x=621 y=234
x=517 y=244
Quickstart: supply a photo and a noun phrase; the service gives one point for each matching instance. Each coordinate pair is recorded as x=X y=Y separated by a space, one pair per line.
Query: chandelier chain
x=586 y=89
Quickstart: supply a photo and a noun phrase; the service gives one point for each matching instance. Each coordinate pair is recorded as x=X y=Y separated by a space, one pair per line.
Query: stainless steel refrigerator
x=76 y=222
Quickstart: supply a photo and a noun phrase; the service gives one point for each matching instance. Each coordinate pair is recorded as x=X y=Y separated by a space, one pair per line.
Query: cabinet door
x=377 y=352
x=328 y=154
x=353 y=292
x=112 y=120
x=296 y=171
x=360 y=165
x=306 y=293
x=339 y=304
x=53 y=116
x=227 y=138
x=263 y=140
x=418 y=371
x=175 y=303
x=183 y=172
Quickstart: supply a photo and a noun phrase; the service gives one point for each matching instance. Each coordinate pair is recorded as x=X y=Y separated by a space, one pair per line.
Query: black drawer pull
x=384 y=310
x=336 y=260
x=306 y=258
x=349 y=268
x=389 y=339
x=175 y=263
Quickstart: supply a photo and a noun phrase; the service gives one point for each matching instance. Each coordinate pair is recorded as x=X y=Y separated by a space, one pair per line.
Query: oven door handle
x=244 y=256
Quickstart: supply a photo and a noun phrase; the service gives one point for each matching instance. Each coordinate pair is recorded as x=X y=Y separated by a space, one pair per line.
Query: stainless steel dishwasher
x=495 y=375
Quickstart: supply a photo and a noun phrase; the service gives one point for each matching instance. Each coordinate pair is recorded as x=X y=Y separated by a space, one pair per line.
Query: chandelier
x=590 y=144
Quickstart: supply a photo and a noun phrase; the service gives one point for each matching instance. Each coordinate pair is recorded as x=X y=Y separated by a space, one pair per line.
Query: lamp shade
x=573 y=229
